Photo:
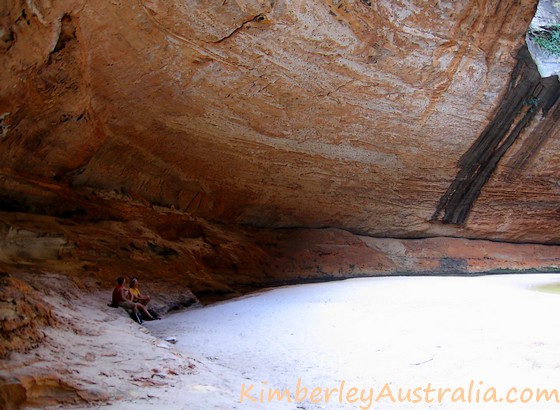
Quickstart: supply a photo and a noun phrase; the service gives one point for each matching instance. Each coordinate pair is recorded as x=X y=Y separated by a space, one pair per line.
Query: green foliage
x=547 y=38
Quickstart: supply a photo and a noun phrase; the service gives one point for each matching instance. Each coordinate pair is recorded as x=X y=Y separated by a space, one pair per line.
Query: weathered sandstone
x=285 y=113
x=216 y=147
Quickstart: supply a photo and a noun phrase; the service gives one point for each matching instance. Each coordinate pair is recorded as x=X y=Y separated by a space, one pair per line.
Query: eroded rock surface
x=22 y=316
x=345 y=114
x=215 y=147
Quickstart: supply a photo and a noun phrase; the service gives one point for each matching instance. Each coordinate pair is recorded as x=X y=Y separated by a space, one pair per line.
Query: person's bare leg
x=144 y=311
x=135 y=310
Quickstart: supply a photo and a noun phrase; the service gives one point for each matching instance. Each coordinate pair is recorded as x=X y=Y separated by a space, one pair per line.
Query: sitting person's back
x=119 y=293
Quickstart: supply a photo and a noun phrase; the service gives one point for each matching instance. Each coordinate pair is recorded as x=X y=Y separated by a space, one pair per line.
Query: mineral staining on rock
x=222 y=146
x=272 y=114
x=371 y=119
x=526 y=97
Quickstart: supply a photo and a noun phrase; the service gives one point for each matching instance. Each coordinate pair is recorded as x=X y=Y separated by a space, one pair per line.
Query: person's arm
x=125 y=294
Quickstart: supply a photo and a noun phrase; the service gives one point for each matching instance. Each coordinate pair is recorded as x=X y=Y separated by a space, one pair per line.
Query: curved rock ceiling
x=212 y=147
x=383 y=118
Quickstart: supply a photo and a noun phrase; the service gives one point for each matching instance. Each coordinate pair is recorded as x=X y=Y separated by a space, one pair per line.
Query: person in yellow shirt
x=135 y=293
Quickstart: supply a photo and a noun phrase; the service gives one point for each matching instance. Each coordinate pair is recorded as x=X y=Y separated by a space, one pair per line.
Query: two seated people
x=132 y=300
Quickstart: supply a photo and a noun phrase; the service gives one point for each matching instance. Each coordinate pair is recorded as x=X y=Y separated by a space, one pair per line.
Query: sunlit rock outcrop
x=543 y=38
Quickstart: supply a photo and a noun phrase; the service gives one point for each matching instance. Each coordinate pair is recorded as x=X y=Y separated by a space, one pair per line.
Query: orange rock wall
x=274 y=114
x=173 y=254
x=234 y=144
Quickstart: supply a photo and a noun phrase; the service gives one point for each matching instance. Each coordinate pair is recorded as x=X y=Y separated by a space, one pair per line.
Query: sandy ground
x=485 y=335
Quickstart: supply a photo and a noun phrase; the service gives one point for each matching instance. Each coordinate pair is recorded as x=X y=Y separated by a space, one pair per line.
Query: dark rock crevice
x=526 y=95
x=67 y=33
x=543 y=132
x=257 y=18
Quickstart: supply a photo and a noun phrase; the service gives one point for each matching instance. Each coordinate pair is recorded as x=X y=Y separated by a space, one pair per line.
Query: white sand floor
x=466 y=334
